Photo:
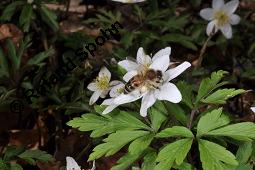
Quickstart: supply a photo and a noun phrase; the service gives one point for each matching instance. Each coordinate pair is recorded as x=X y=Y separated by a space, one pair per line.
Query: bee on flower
x=148 y=78
x=221 y=17
x=101 y=85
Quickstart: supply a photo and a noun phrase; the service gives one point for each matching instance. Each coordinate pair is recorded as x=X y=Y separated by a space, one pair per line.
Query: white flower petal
x=231 y=6
x=71 y=164
x=142 y=58
x=234 y=19
x=174 y=72
x=169 y=92
x=108 y=102
x=161 y=63
x=207 y=13
x=211 y=28
x=109 y=108
x=104 y=93
x=129 y=75
x=253 y=109
x=104 y=72
x=92 y=86
x=116 y=89
x=127 y=98
x=115 y=82
x=166 y=51
x=128 y=65
x=147 y=101
x=93 y=166
x=227 y=31
x=217 y=4
x=94 y=97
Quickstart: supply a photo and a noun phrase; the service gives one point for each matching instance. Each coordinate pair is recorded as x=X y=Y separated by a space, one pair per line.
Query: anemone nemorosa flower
x=71 y=164
x=101 y=85
x=129 y=1
x=114 y=92
x=253 y=109
x=166 y=90
x=221 y=16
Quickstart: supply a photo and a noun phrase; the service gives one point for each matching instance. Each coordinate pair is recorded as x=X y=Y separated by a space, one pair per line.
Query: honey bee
x=149 y=79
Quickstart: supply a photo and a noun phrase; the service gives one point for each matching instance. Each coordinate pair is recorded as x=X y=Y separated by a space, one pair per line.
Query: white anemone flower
x=166 y=91
x=115 y=92
x=221 y=16
x=71 y=164
x=101 y=85
x=30 y=1
x=129 y=1
x=253 y=109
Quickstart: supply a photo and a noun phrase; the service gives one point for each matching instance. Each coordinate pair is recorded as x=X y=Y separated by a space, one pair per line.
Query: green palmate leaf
x=175 y=131
x=15 y=166
x=214 y=156
x=10 y=10
x=173 y=152
x=181 y=39
x=186 y=91
x=185 y=166
x=127 y=39
x=114 y=142
x=31 y=155
x=209 y=84
x=157 y=115
x=13 y=151
x=25 y=17
x=98 y=124
x=210 y=121
x=49 y=17
x=125 y=162
x=38 y=59
x=12 y=54
x=101 y=125
x=244 y=167
x=176 y=111
x=220 y=96
x=244 y=152
x=176 y=22
x=3 y=165
x=140 y=144
x=240 y=131
x=3 y=64
x=24 y=44
x=149 y=162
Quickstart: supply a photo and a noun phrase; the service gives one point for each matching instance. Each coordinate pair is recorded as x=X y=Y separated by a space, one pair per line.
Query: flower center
x=120 y=90
x=221 y=17
x=102 y=82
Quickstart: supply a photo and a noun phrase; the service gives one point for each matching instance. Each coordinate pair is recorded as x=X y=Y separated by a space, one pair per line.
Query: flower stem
x=202 y=51
x=189 y=124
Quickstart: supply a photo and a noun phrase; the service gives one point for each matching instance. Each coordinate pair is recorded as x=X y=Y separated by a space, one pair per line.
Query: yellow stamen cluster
x=221 y=17
x=120 y=90
x=102 y=82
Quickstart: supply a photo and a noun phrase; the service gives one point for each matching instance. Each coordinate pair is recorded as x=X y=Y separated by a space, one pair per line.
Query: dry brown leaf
x=10 y=31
